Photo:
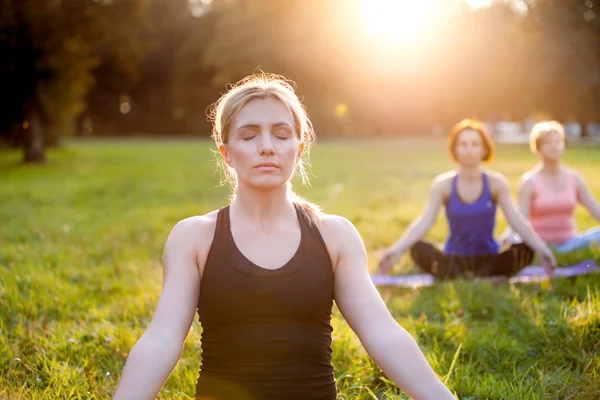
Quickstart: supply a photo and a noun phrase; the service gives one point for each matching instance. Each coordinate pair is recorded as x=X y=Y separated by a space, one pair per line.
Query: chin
x=553 y=159
x=470 y=164
x=268 y=183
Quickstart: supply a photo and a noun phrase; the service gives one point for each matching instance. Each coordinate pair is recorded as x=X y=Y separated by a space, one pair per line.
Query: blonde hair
x=541 y=130
x=263 y=86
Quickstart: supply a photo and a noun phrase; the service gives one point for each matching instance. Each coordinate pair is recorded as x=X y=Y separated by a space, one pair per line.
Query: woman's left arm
x=520 y=224
x=586 y=198
x=515 y=219
x=390 y=346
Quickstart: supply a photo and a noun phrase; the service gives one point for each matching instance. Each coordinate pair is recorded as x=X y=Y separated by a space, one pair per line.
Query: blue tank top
x=471 y=224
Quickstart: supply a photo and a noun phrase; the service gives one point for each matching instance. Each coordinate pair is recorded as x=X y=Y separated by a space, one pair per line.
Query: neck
x=262 y=205
x=469 y=173
x=550 y=167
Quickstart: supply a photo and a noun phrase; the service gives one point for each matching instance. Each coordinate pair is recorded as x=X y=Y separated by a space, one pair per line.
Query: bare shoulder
x=339 y=233
x=442 y=183
x=526 y=183
x=192 y=237
x=528 y=177
x=497 y=180
x=499 y=185
x=331 y=224
x=495 y=176
x=199 y=226
x=575 y=174
x=444 y=178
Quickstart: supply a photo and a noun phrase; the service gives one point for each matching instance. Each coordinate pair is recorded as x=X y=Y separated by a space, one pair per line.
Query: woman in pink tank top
x=550 y=193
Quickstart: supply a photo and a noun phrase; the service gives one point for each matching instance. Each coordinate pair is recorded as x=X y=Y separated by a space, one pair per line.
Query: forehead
x=263 y=112
x=469 y=135
x=551 y=134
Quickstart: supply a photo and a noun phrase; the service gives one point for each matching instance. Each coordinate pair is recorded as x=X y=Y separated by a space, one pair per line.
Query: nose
x=266 y=145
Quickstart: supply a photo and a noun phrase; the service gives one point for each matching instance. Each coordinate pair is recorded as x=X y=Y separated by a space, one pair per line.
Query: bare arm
x=390 y=345
x=525 y=195
x=416 y=230
x=517 y=221
x=586 y=197
x=157 y=351
x=521 y=225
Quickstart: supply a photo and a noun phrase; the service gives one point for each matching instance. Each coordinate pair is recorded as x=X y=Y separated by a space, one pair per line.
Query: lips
x=266 y=165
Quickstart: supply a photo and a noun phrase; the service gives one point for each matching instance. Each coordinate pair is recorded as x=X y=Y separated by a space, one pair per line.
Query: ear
x=300 y=151
x=225 y=154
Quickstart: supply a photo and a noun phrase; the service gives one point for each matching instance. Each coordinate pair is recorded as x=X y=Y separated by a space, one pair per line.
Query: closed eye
x=248 y=133
x=283 y=134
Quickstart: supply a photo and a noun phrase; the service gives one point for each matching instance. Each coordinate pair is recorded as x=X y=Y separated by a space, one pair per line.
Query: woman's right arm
x=524 y=196
x=417 y=229
x=157 y=351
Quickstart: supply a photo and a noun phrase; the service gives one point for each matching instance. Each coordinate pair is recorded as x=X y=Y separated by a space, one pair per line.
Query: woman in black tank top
x=259 y=323
x=262 y=274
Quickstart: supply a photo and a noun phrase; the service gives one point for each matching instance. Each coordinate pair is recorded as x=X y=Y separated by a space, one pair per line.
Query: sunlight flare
x=398 y=20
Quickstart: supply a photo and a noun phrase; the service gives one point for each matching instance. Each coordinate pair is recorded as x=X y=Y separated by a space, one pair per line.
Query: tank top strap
x=572 y=179
x=538 y=187
x=223 y=228
x=485 y=193
x=486 y=184
x=532 y=176
x=223 y=225
x=453 y=189
x=312 y=230
x=302 y=217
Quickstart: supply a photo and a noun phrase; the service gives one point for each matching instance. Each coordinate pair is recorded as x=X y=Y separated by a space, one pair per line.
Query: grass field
x=81 y=240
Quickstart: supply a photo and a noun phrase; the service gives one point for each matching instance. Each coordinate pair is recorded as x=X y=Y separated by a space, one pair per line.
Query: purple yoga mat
x=532 y=273
x=403 y=280
x=535 y=273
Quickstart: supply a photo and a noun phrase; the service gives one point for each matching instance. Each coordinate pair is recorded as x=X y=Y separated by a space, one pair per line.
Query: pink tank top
x=552 y=214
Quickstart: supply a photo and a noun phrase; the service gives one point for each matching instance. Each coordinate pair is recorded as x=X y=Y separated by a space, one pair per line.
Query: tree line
x=153 y=67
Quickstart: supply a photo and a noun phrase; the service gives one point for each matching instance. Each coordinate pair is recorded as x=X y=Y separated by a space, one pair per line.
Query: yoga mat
x=529 y=274
x=535 y=273
x=416 y=280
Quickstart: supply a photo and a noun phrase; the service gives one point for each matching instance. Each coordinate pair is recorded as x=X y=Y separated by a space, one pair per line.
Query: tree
x=171 y=88
x=305 y=40
x=50 y=49
x=564 y=48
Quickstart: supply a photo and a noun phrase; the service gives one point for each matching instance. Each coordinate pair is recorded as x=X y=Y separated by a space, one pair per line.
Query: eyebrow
x=275 y=125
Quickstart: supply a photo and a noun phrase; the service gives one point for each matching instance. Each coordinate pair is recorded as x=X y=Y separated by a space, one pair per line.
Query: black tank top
x=266 y=334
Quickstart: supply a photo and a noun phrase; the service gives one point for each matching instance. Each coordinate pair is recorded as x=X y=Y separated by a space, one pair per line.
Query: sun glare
x=397 y=19
x=406 y=20
x=479 y=3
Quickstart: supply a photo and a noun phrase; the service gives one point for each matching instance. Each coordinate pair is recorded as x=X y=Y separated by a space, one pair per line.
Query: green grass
x=81 y=240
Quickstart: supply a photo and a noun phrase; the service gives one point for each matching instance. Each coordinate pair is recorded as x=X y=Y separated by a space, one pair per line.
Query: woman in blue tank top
x=470 y=196
x=262 y=274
